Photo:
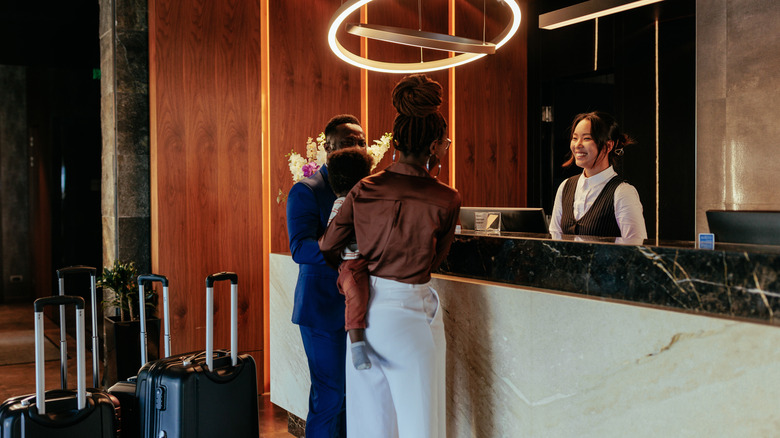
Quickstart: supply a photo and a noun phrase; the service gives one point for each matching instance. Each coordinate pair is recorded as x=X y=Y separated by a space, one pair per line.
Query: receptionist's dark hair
x=418 y=123
x=603 y=129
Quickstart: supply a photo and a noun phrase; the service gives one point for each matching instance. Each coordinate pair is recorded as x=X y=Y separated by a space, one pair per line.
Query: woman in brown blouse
x=404 y=222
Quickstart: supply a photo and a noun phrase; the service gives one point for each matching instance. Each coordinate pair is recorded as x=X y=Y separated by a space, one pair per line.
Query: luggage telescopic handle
x=40 y=374
x=153 y=277
x=213 y=278
x=166 y=317
x=79 y=269
x=58 y=300
x=233 y=277
x=75 y=270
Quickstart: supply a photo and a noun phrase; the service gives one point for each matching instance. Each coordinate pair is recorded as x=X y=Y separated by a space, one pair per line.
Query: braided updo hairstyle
x=418 y=123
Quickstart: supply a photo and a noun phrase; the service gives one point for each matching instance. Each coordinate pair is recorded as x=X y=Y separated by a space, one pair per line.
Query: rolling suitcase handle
x=210 y=280
x=166 y=315
x=63 y=337
x=40 y=374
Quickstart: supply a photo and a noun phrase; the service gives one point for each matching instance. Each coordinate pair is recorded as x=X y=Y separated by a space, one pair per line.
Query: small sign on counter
x=706 y=241
x=487 y=222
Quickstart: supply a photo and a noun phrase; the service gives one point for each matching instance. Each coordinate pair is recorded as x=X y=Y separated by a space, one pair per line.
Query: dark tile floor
x=19 y=379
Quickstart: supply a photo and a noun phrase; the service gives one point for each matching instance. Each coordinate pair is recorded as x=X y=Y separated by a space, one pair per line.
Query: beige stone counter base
x=530 y=363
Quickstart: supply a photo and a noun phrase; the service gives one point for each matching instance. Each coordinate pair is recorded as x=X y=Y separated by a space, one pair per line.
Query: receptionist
x=597 y=202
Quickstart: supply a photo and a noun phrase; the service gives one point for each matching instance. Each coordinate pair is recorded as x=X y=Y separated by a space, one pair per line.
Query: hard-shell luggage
x=202 y=394
x=83 y=412
x=125 y=391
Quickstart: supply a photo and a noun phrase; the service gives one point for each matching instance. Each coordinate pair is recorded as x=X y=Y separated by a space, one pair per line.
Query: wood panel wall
x=308 y=85
x=491 y=117
x=490 y=94
x=206 y=128
x=205 y=160
x=380 y=85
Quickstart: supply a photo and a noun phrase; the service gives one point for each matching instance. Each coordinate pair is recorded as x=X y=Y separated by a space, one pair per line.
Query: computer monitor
x=513 y=219
x=748 y=226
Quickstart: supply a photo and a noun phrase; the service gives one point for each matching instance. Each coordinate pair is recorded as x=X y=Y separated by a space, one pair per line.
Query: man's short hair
x=340 y=119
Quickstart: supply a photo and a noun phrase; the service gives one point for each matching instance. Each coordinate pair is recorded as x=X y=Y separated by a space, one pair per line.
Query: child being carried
x=345 y=168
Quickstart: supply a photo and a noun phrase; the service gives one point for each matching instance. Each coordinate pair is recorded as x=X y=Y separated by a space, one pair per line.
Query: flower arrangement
x=377 y=150
x=316 y=156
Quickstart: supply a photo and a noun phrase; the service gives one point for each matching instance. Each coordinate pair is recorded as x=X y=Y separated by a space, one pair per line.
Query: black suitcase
x=202 y=394
x=83 y=412
x=125 y=391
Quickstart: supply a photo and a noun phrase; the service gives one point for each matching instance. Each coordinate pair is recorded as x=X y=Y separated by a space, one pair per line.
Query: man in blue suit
x=319 y=307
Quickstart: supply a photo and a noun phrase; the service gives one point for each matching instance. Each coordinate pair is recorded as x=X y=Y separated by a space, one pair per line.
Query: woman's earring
x=428 y=165
x=394 y=155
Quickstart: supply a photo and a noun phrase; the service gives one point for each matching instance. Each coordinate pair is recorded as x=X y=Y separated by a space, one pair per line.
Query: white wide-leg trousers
x=402 y=395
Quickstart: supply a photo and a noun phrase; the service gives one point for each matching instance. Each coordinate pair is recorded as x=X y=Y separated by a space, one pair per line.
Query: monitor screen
x=753 y=227
x=513 y=219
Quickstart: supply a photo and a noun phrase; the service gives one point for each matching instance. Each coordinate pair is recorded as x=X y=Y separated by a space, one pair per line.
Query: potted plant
x=122 y=325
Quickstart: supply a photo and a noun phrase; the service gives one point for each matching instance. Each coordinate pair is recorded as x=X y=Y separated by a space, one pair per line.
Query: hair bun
x=417 y=96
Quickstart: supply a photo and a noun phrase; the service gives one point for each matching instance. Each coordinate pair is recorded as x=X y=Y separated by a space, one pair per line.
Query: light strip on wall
x=364 y=77
x=587 y=11
x=265 y=138
x=452 y=99
x=415 y=67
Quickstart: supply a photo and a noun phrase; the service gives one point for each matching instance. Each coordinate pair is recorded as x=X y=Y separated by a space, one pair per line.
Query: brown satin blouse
x=404 y=222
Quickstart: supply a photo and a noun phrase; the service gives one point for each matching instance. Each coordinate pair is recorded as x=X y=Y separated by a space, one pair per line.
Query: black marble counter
x=739 y=281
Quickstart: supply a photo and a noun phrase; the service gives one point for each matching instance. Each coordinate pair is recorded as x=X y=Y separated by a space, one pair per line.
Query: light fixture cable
x=484 y=20
x=596 y=45
x=657 y=139
x=419 y=25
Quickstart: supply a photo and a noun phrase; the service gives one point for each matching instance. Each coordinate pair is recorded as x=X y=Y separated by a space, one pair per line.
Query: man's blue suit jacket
x=318 y=303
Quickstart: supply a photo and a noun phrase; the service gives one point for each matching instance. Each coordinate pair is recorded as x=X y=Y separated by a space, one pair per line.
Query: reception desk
x=557 y=338
x=740 y=281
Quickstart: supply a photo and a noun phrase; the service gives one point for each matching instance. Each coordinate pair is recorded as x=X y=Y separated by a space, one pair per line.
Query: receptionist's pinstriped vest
x=599 y=220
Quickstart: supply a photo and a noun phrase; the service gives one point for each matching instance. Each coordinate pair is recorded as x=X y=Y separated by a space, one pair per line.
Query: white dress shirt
x=628 y=207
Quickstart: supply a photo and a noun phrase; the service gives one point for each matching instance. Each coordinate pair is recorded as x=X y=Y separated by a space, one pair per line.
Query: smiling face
x=586 y=152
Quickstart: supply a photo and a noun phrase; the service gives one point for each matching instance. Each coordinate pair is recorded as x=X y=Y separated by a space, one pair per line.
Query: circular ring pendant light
x=415 y=38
